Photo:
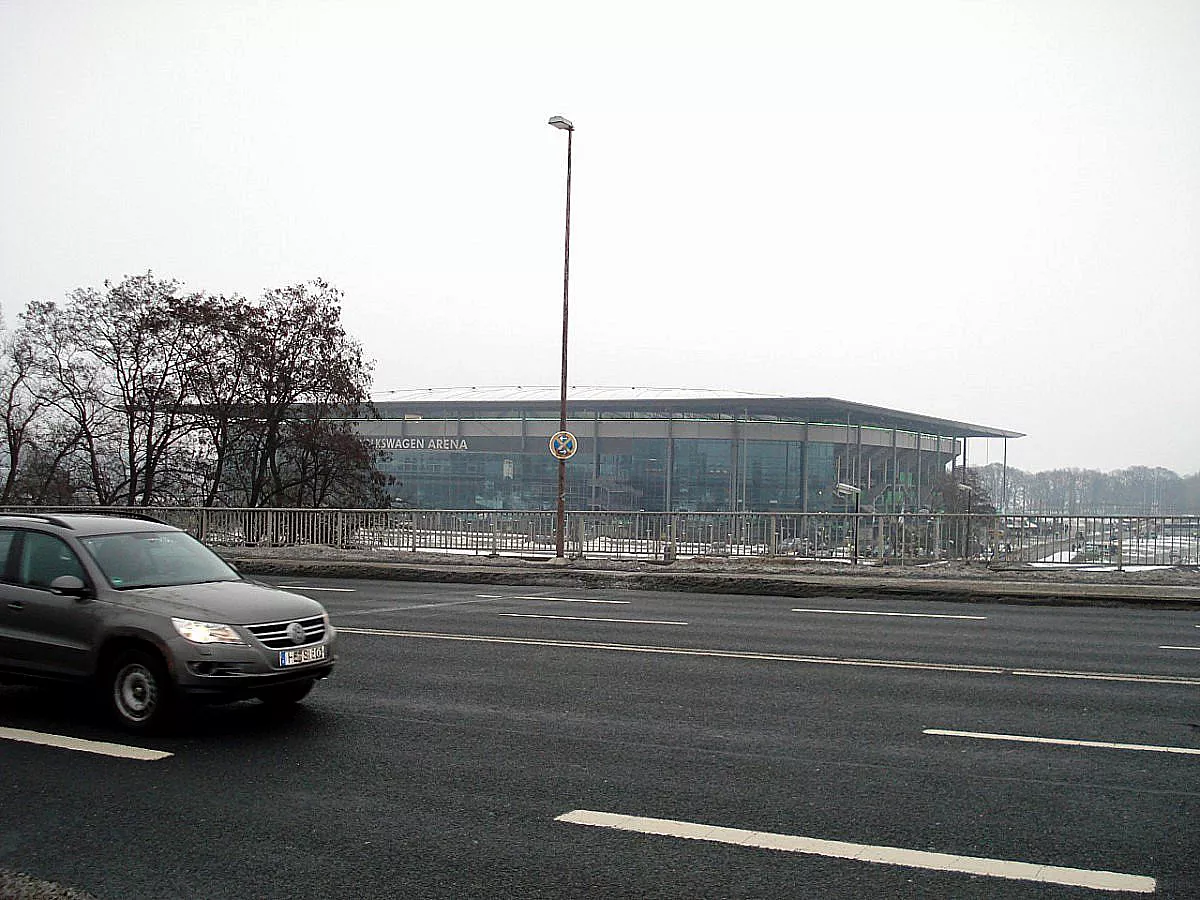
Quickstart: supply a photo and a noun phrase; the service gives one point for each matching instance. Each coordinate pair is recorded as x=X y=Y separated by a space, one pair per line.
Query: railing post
x=857 y=526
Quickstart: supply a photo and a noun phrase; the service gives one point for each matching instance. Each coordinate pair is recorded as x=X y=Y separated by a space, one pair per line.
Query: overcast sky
x=985 y=211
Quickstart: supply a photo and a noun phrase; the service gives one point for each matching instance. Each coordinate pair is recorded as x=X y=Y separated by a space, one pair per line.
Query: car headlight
x=206 y=632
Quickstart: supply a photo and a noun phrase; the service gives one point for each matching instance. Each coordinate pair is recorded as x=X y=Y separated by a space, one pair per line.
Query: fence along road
x=1118 y=541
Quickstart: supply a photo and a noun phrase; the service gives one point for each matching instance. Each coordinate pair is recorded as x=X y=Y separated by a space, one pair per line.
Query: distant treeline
x=1138 y=490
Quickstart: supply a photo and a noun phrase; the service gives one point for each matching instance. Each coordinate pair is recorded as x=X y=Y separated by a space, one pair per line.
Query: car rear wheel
x=286 y=694
x=140 y=694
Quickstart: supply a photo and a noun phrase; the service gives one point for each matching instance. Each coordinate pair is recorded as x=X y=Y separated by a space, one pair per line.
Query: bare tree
x=300 y=357
x=329 y=465
x=21 y=409
x=132 y=332
x=146 y=394
x=218 y=329
x=71 y=385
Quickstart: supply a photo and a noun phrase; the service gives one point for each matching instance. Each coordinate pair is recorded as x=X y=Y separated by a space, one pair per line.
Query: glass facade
x=657 y=450
x=483 y=480
x=653 y=474
x=703 y=476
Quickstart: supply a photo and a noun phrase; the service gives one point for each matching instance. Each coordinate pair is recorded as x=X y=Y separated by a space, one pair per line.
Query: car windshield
x=156 y=559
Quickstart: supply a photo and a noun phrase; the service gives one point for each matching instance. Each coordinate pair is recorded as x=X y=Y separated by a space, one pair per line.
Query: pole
x=857 y=519
x=967 y=537
x=561 y=506
x=1004 y=481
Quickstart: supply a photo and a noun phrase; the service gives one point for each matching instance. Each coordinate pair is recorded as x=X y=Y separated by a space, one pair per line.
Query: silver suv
x=151 y=616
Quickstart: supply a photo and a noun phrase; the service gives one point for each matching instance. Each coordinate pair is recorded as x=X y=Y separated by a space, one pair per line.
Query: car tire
x=286 y=694
x=140 y=694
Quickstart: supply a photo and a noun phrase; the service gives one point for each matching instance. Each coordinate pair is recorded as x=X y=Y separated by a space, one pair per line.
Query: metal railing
x=1117 y=541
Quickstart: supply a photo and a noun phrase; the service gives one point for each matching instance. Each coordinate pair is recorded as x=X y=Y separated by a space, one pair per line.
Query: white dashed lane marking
x=308 y=587
x=590 y=619
x=569 y=600
x=62 y=742
x=1061 y=742
x=406 y=608
x=891 y=856
x=853 y=612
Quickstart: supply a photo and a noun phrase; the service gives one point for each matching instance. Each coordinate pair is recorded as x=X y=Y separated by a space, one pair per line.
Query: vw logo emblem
x=296 y=632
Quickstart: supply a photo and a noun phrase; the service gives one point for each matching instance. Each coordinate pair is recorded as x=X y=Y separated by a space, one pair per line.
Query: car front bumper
x=232 y=670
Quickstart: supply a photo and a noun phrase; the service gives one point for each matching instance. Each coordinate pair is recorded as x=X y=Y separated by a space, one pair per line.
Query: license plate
x=299 y=657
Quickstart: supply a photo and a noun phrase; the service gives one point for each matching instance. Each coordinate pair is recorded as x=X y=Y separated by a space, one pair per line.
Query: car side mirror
x=68 y=586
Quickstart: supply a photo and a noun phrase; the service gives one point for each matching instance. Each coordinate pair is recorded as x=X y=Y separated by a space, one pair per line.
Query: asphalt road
x=464 y=721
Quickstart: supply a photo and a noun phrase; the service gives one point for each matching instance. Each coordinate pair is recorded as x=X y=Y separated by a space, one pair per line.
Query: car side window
x=6 y=542
x=43 y=558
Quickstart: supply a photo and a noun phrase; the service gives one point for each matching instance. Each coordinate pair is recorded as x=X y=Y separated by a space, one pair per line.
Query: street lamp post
x=560 y=512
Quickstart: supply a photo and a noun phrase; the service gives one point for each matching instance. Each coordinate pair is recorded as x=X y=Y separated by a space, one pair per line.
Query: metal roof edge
x=547 y=396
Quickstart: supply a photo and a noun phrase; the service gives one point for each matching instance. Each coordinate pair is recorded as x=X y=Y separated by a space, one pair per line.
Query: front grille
x=219 y=669
x=275 y=634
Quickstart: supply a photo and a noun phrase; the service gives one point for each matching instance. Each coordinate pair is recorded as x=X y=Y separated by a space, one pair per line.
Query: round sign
x=563 y=445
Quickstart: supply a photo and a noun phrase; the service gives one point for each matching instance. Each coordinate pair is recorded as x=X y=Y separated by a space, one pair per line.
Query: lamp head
x=560 y=122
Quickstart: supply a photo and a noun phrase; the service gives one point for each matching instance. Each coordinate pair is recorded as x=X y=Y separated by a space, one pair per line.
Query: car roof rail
x=56 y=519
x=121 y=514
x=40 y=517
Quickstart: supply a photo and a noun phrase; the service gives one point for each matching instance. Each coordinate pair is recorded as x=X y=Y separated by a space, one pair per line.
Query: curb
x=962 y=590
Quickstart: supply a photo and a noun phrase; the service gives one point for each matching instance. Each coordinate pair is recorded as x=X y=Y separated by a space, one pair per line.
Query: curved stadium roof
x=662 y=401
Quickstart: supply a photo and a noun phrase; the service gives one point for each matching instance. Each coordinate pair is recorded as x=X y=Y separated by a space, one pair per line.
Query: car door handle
x=15 y=604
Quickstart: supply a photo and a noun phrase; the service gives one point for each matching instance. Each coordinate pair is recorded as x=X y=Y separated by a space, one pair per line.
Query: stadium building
x=659 y=450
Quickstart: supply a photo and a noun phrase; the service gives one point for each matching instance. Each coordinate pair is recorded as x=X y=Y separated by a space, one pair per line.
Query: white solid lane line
x=892 y=856
x=1179 y=648
x=104 y=748
x=1108 y=676
x=1061 y=742
x=675 y=651
x=769 y=657
x=853 y=612
x=590 y=619
x=309 y=587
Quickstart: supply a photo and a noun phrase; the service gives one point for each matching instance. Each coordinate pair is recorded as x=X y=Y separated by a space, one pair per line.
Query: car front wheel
x=139 y=691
